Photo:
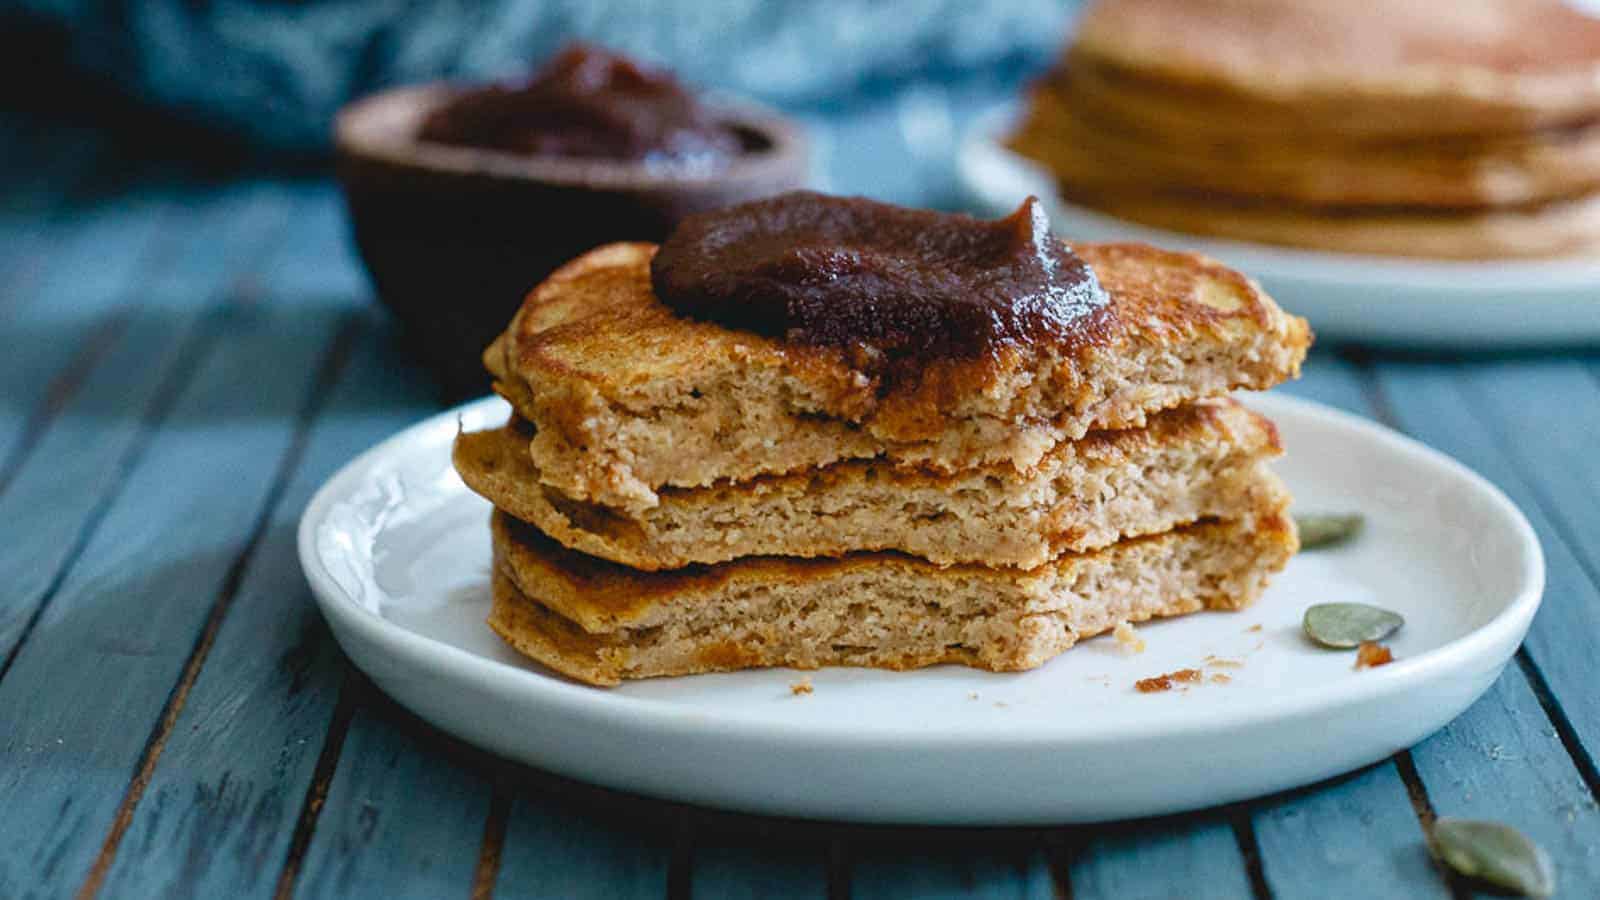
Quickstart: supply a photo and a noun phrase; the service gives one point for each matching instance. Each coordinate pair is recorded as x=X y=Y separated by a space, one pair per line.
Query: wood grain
x=404 y=812
x=744 y=868
x=1358 y=832
x=1503 y=760
x=116 y=630
x=226 y=798
x=1144 y=860
x=85 y=448
x=993 y=870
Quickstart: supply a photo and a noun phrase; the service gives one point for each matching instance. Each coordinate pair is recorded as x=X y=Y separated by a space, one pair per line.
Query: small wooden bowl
x=454 y=237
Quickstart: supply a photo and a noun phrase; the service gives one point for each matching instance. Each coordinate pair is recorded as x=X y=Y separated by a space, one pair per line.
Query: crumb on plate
x=1128 y=639
x=1372 y=654
x=1165 y=682
x=803 y=686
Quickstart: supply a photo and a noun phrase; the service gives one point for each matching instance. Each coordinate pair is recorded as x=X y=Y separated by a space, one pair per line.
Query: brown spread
x=886 y=283
x=592 y=104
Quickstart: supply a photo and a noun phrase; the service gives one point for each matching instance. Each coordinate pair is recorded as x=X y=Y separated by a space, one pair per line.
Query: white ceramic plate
x=1381 y=300
x=397 y=551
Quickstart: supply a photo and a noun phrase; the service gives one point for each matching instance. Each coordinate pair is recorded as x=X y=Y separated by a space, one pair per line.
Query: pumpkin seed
x=1319 y=530
x=1494 y=854
x=1345 y=625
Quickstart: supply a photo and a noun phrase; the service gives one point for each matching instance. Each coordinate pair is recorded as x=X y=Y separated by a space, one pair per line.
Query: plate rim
x=1508 y=626
x=1474 y=278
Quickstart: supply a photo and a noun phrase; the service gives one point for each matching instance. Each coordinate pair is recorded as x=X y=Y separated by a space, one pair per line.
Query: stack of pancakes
x=674 y=496
x=1465 y=130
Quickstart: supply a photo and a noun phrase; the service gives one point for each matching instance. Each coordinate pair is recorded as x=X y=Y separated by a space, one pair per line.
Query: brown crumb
x=1153 y=685
x=1218 y=662
x=1165 y=682
x=1254 y=628
x=803 y=686
x=1128 y=639
x=1219 y=678
x=1372 y=654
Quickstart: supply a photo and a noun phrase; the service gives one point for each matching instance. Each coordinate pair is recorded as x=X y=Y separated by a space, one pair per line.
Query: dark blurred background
x=263 y=78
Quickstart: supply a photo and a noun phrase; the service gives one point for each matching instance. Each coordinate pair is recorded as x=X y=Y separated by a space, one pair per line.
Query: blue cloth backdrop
x=274 y=72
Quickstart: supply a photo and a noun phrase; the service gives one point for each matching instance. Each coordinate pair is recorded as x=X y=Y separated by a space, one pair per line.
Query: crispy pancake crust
x=1193 y=462
x=601 y=623
x=1479 y=66
x=627 y=397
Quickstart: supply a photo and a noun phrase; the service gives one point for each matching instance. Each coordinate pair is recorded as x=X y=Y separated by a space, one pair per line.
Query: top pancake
x=627 y=396
x=1469 y=67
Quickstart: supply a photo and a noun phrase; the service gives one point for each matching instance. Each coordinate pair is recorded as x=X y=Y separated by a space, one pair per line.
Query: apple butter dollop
x=885 y=283
x=588 y=103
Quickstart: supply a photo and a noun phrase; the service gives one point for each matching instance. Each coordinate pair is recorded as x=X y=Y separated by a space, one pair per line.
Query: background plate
x=397 y=551
x=1375 y=299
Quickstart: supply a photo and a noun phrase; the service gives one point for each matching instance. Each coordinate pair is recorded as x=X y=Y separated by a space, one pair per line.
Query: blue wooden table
x=183 y=359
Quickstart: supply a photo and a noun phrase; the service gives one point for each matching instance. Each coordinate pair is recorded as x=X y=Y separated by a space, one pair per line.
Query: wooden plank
x=1432 y=403
x=80 y=458
x=1553 y=439
x=564 y=840
x=60 y=314
x=404 y=813
x=221 y=808
x=990 y=867
x=752 y=866
x=1356 y=836
x=1503 y=760
x=120 y=627
x=1150 y=859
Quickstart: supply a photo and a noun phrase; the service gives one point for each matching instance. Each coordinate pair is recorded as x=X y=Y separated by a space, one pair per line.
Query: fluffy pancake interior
x=601 y=623
x=1193 y=462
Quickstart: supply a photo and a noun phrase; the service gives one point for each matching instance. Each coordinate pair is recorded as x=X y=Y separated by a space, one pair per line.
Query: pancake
x=626 y=397
x=601 y=623
x=1564 y=228
x=1198 y=461
x=1413 y=70
x=1104 y=148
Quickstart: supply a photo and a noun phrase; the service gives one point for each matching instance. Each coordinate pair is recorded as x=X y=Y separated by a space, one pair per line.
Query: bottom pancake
x=601 y=623
x=1555 y=229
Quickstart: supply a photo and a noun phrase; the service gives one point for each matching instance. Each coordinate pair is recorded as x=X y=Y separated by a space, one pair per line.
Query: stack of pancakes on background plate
x=675 y=496
x=1463 y=130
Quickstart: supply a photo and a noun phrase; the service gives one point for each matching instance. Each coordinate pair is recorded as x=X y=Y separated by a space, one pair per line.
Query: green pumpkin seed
x=1327 y=529
x=1345 y=625
x=1494 y=854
